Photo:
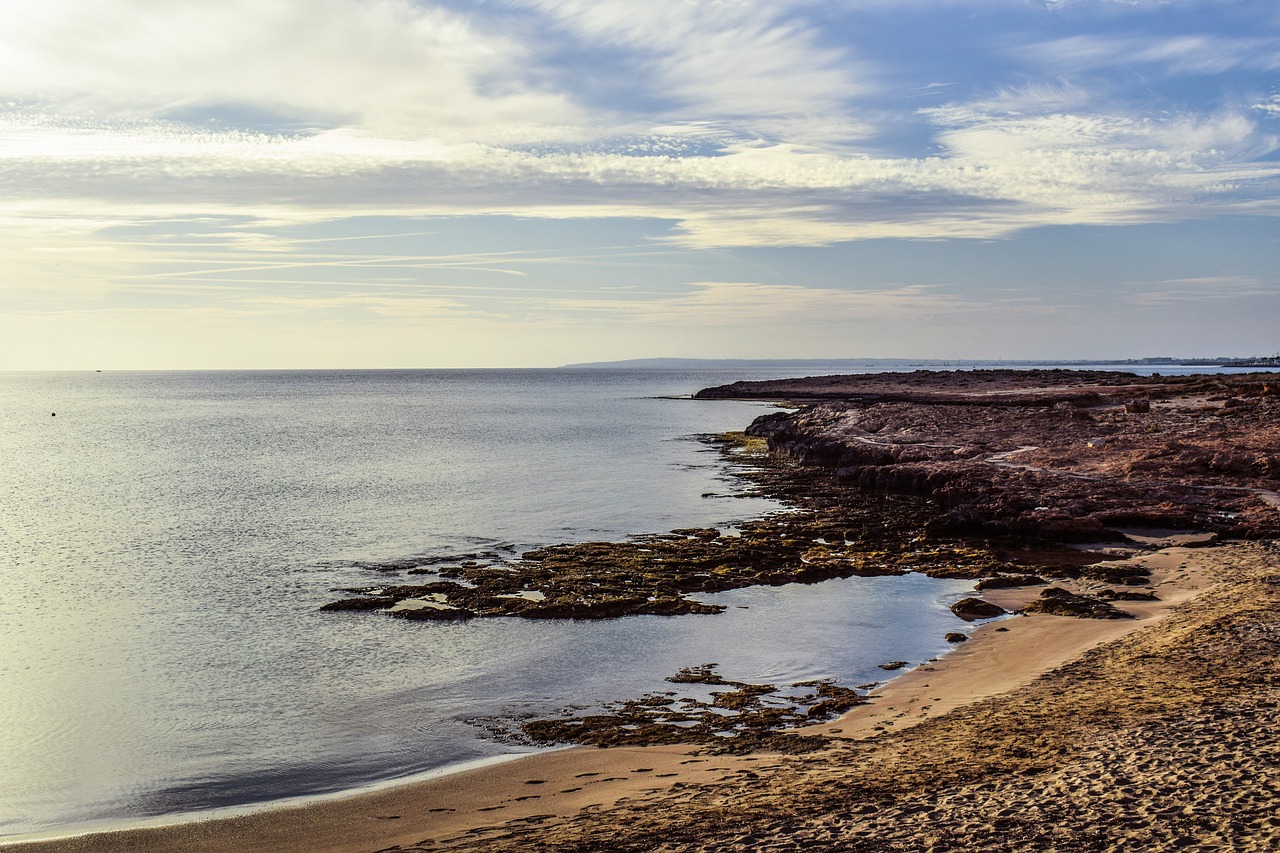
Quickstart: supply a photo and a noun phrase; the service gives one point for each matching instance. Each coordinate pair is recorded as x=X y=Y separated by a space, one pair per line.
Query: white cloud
x=1184 y=54
x=1106 y=167
x=997 y=172
x=736 y=58
x=1270 y=106
x=417 y=110
x=1039 y=98
x=391 y=66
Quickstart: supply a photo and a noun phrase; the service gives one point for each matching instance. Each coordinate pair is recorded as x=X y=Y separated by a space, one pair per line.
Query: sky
x=190 y=184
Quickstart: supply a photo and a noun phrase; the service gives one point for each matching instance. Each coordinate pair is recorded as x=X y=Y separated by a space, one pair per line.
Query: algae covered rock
x=743 y=718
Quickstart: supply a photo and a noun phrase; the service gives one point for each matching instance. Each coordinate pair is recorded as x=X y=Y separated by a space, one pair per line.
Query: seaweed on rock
x=745 y=718
x=831 y=530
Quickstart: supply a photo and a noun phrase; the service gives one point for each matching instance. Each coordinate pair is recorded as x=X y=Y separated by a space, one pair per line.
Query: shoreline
x=111 y=826
x=1038 y=732
x=558 y=785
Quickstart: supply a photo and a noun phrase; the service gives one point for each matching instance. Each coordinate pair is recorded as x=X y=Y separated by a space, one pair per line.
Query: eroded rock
x=1007 y=581
x=971 y=609
x=1057 y=601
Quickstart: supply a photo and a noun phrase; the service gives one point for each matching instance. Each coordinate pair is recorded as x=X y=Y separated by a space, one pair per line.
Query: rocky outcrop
x=970 y=609
x=1056 y=601
x=1127 y=595
x=1046 y=388
x=976 y=475
x=1038 y=454
x=1007 y=581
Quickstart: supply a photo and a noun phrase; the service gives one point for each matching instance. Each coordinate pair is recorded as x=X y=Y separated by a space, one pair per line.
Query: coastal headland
x=1130 y=704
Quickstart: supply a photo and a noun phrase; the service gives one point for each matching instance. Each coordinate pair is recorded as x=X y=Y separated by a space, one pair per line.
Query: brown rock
x=970 y=609
x=1006 y=581
x=379 y=602
x=1059 y=602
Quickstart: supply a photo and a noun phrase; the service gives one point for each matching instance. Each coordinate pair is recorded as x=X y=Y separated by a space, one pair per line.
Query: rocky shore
x=1131 y=705
x=956 y=474
x=1161 y=739
x=1098 y=454
x=1070 y=456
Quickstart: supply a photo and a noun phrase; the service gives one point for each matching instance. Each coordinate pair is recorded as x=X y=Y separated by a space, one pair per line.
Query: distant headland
x=854 y=364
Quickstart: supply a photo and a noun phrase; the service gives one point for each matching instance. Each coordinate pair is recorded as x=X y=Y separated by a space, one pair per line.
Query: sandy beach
x=1041 y=732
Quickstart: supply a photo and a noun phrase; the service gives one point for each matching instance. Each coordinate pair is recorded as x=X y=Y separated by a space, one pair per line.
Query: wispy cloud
x=1213 y=289
x=1181 y=54
x=997 y=172
x=780 y=64
x=748 y=135
x=738 y=303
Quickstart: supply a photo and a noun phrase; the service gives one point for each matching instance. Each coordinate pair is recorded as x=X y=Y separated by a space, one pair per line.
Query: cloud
x=414 y=70
x=748 y=135
x=410 y=309
x=1184 y=54
x=709 y=304
x=729 y=58
x=1035 y=98
x=1214 y=289
x=993 y=182
x=997 y=172
x=393 y=67
x=1107 y=167
x=1269 y=106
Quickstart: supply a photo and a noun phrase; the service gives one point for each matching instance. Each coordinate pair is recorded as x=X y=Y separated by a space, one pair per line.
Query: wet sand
x=1054 y=733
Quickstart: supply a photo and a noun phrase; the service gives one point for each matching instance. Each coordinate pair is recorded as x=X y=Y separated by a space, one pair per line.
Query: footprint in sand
x=585 y=775
x=535 y=781
x=570 y=790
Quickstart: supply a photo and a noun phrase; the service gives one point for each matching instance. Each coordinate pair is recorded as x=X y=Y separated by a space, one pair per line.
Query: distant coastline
x=859 y=364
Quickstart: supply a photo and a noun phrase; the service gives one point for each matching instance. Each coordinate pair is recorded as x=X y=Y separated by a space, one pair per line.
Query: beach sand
x=1051 y=734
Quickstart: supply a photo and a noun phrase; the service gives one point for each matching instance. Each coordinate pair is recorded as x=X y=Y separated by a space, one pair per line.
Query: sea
x=167 y=540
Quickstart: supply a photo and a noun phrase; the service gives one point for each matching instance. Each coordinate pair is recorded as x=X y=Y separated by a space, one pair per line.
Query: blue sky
x=391 y=183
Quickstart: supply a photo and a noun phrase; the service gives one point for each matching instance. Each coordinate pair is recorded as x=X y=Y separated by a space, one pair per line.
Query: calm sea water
x=167 y=538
